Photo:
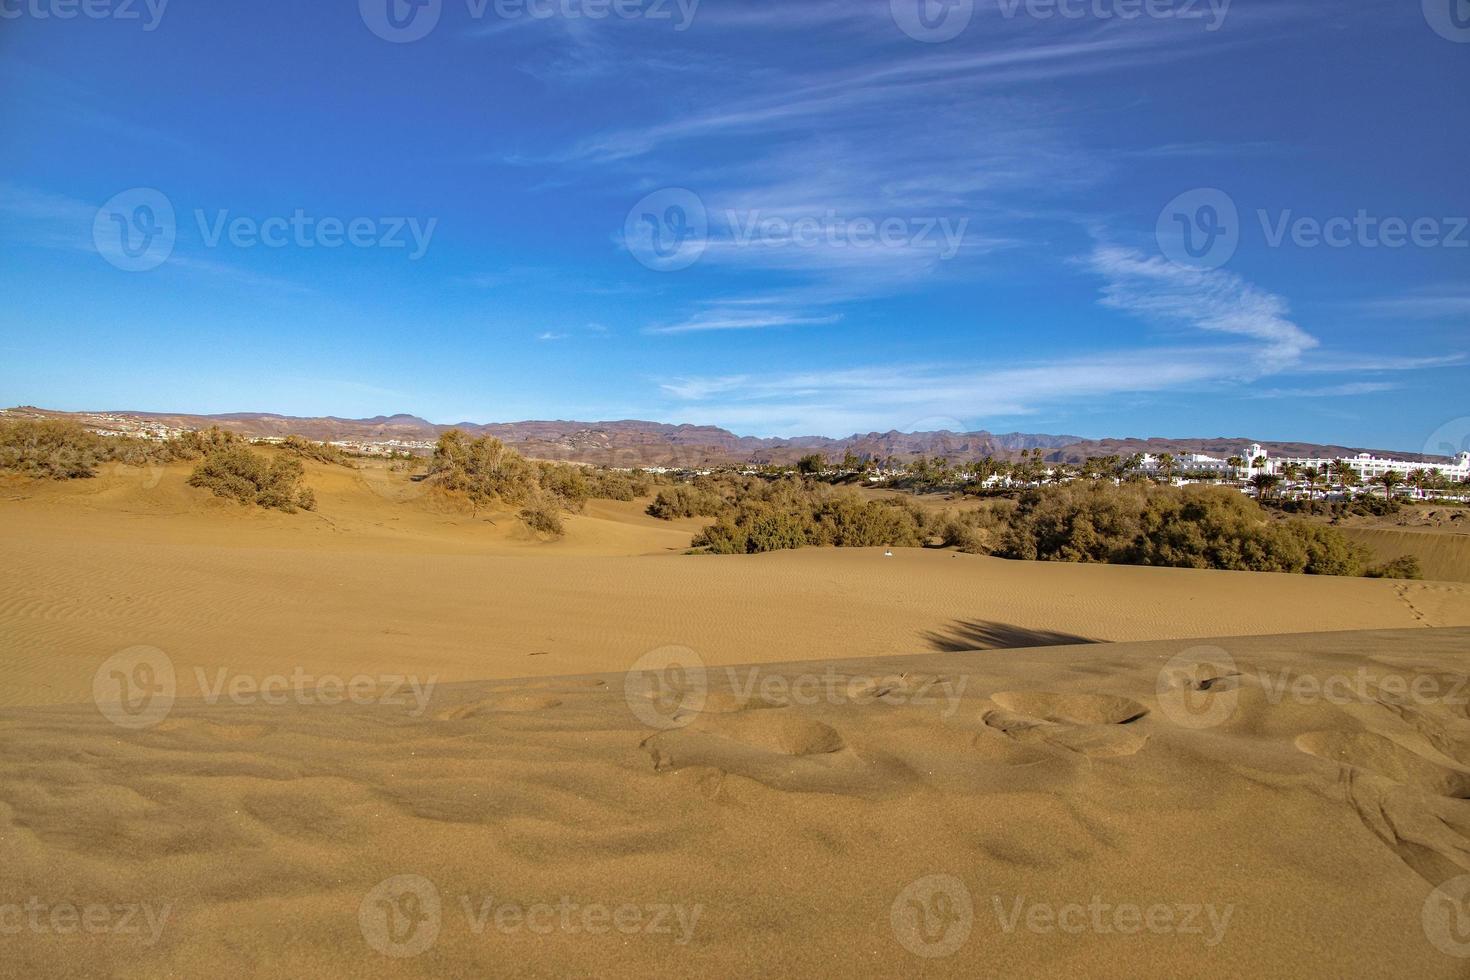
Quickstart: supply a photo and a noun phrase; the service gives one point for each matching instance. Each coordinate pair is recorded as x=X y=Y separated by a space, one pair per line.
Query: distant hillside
x=631 y=442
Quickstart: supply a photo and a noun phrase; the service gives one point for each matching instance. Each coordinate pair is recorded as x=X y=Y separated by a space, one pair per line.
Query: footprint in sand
x=1093 y=725
x=513 y=703
x=1387 y=758
x=778 y=749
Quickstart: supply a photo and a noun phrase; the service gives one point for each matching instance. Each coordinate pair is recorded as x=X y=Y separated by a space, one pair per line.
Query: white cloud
x=724 y=320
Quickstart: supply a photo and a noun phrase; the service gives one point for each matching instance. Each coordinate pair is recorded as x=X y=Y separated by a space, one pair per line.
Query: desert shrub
x=1405 y=566
x=483 y=470
x=788 y=514
x=55 y=449
x=193 y=445
x=320 y=452
x=1188 y=527
x=975 y=532
x=847 y=521
x=686 y=500
x=543 y=518
x=568 y=484
x=236 y=473
x=604 y=484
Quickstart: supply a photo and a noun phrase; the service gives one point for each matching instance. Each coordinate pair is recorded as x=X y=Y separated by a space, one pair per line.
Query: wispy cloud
x=719 y=320
x=1212 y=300
x=1329 y=391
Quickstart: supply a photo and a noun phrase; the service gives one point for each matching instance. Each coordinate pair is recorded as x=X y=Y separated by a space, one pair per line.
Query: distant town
x=1255 y=469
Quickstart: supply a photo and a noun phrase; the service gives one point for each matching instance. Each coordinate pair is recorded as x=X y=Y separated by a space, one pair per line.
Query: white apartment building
x=1368 y=466
x=1186 y=463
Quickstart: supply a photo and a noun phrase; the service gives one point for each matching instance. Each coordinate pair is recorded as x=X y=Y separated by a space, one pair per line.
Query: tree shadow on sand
x=976 y=634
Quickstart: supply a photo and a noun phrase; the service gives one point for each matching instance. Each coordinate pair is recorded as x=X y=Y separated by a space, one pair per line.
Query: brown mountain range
x=632 y=442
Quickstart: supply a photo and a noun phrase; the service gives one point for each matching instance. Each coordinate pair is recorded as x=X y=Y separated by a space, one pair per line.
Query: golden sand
x=408 y=742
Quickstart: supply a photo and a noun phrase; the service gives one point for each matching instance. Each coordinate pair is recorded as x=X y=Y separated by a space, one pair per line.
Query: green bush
x=320 y=452
x=1188 y=527
x=567 y=484
x=617 y=485
x=236 y=473
x=789 y=514
x=543 y=518
x=1405 y=566
x=54 y=449
x=483 y=470
x=684 y=500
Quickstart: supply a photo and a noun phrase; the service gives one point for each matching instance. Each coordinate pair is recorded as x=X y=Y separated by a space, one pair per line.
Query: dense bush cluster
x=61 y=449
x=236 y=473
x=796 y=514
x=1188 y=527
x=320 y=452
x=688 y=500
x=486 y=472
x=1135 y=523
x=50 y=449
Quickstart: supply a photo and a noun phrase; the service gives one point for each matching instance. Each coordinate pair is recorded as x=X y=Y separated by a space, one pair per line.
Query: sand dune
x=390 y=739
x=1443 y=555
x=379 y=581
x=1092 y=810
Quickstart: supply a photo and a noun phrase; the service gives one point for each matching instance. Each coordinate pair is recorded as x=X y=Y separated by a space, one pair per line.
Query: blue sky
x=860 y=225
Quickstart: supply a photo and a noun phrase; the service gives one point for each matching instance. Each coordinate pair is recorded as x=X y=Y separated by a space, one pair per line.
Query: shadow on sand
x=977 y=634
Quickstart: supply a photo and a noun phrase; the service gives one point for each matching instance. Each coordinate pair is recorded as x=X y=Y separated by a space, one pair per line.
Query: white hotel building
x=1368 y=466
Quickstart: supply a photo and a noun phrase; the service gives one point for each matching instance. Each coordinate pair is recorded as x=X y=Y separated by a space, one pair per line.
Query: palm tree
x=1167 y=465
x=1265 y=484
x=1314 y=475
x=1346 y=475
x=1389 y=479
